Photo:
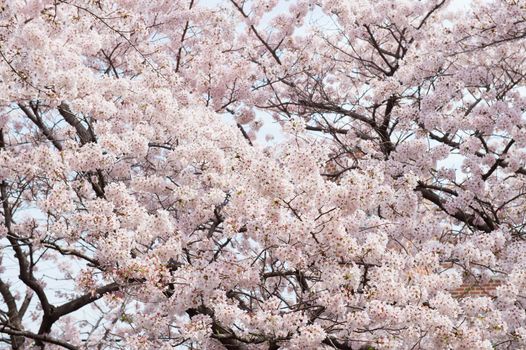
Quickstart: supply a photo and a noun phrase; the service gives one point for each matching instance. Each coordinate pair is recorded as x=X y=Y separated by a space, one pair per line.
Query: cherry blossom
x=146 y=206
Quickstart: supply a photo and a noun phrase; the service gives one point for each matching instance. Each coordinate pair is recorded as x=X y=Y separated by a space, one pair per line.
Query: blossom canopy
x=304 y=174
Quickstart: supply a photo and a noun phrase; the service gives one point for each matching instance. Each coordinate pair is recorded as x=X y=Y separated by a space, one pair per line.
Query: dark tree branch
x=460 y=215
x=434 y=9
x=13 y=315
x=183 y=36
x=83 y=133
x=253 y=28
x=37 y=120
x=39 y=338
x=244 y=133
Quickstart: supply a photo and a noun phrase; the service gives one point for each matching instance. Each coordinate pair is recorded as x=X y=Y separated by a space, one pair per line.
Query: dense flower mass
x=270 y=174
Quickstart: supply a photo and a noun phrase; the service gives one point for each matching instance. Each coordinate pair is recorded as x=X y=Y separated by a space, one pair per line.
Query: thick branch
x=86 y=299
x=37 y=120
x=83 y=133
x=460 y=215
x=12 y=314
x=40 y=338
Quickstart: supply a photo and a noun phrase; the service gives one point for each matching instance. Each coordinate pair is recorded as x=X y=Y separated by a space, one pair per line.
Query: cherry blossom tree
x=142 y=209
